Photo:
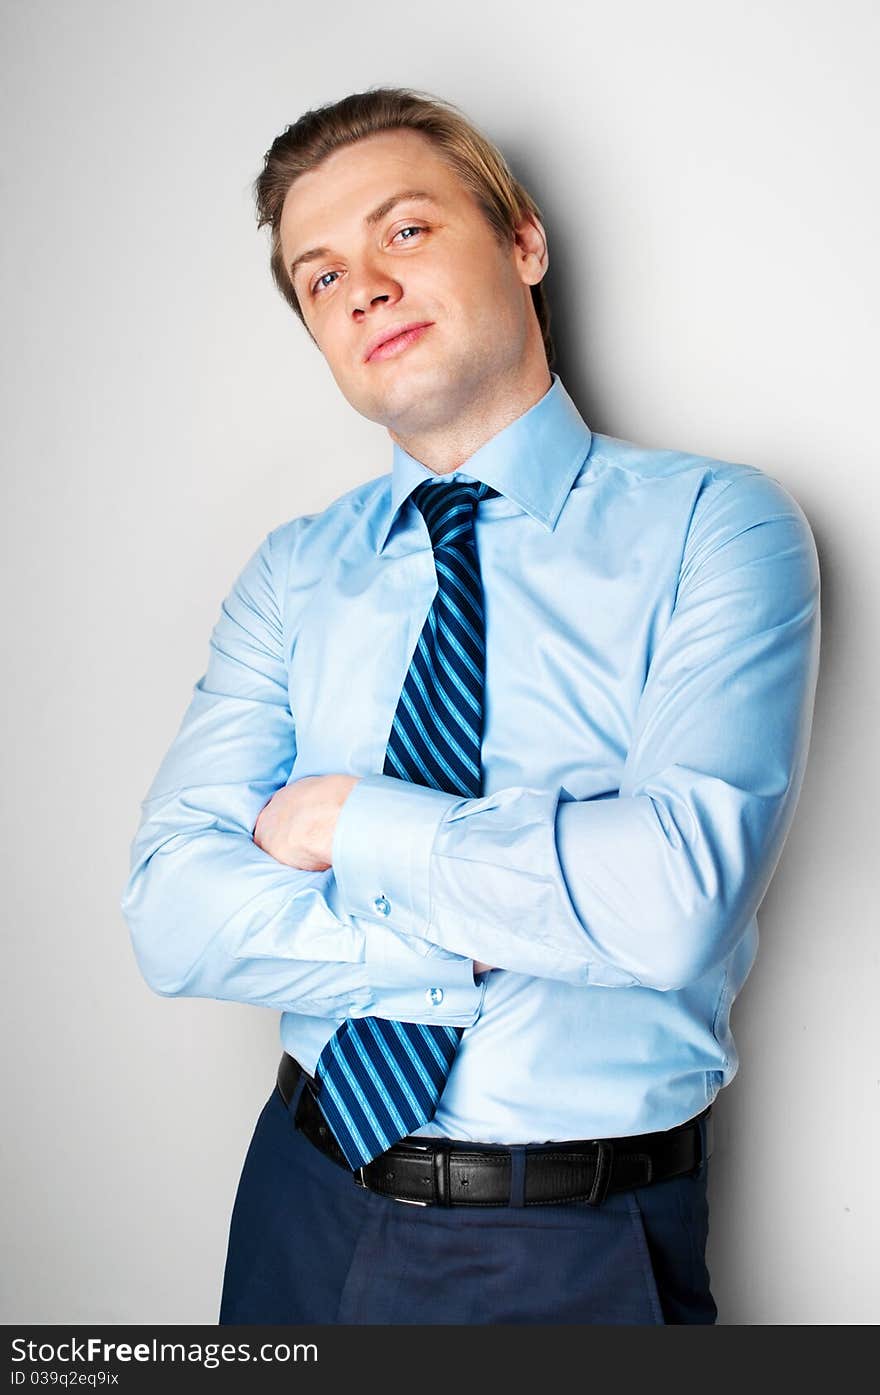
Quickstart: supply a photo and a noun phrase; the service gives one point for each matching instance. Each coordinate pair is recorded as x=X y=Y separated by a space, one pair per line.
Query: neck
x=448 y=447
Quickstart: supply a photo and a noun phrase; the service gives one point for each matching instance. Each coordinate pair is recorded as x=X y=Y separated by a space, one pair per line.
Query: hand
x=481 y=968
x=296 y=827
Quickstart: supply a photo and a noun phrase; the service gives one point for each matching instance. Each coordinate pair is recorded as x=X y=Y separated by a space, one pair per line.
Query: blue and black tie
x=378 y=1080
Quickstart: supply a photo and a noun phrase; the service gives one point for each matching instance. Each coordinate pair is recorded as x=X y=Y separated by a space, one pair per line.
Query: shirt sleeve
x=213 y=915
x=653 y=887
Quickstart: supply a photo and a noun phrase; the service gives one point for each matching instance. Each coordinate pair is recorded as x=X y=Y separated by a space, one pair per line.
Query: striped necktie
x=378 y=1080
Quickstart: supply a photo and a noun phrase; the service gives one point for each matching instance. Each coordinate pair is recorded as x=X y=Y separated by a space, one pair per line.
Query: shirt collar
x=533 y=461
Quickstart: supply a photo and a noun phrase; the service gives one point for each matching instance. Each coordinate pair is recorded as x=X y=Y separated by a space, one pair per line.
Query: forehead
x=338 y=194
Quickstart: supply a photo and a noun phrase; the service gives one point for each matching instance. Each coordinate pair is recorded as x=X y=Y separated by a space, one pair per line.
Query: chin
x=400 y=399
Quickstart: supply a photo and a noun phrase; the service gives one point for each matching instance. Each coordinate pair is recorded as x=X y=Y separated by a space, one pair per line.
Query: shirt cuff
x=382 y=850
x=381 y=863
x=411 y=980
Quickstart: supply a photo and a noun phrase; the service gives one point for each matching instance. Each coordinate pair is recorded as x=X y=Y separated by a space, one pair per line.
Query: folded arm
x=653 y=887
x=213 y=915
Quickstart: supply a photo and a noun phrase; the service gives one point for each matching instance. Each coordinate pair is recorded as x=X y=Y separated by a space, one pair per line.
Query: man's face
x=431 y=262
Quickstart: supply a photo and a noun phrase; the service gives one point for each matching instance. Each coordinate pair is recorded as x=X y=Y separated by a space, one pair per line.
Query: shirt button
x=434 y=996
x=382 y=906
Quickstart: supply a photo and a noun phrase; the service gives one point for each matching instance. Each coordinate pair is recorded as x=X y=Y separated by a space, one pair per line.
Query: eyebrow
x=403 y=196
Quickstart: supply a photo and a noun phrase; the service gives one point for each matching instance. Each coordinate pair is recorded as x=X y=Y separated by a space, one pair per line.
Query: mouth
x=390 y=348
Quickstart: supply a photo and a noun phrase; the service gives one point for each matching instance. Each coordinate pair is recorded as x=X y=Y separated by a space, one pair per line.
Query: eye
x=411 y=227
x=318 y=287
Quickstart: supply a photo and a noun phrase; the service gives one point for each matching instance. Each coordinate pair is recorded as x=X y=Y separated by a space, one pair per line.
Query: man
x=490 y=769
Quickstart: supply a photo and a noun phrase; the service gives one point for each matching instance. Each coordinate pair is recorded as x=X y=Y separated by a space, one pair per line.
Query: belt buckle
x=358 y=1177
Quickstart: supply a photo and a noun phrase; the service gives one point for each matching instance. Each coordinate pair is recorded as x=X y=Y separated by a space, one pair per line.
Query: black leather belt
x=444 y=1172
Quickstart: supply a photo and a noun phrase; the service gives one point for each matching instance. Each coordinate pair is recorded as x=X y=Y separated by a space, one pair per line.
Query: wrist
x=340 y=789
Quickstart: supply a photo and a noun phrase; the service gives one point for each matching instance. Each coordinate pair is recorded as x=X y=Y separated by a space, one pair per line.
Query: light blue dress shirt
x=652 y=648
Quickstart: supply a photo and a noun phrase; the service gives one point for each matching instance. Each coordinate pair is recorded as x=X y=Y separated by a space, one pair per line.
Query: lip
x=402 y=332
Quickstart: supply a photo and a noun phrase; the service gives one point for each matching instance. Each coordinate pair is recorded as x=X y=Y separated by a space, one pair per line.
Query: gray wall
x=704 y=170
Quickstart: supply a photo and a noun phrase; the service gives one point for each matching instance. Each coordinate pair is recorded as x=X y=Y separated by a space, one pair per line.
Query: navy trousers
x=306 y=1245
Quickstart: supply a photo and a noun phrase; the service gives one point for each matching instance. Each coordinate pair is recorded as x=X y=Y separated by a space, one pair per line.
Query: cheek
x=481 y=288
x=334 y=343
x=462 y=296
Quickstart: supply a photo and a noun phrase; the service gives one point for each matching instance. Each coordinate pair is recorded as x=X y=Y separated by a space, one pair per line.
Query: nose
x=369 y=283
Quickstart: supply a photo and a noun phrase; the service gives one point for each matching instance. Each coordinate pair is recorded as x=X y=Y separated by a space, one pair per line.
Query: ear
x=530 y=250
